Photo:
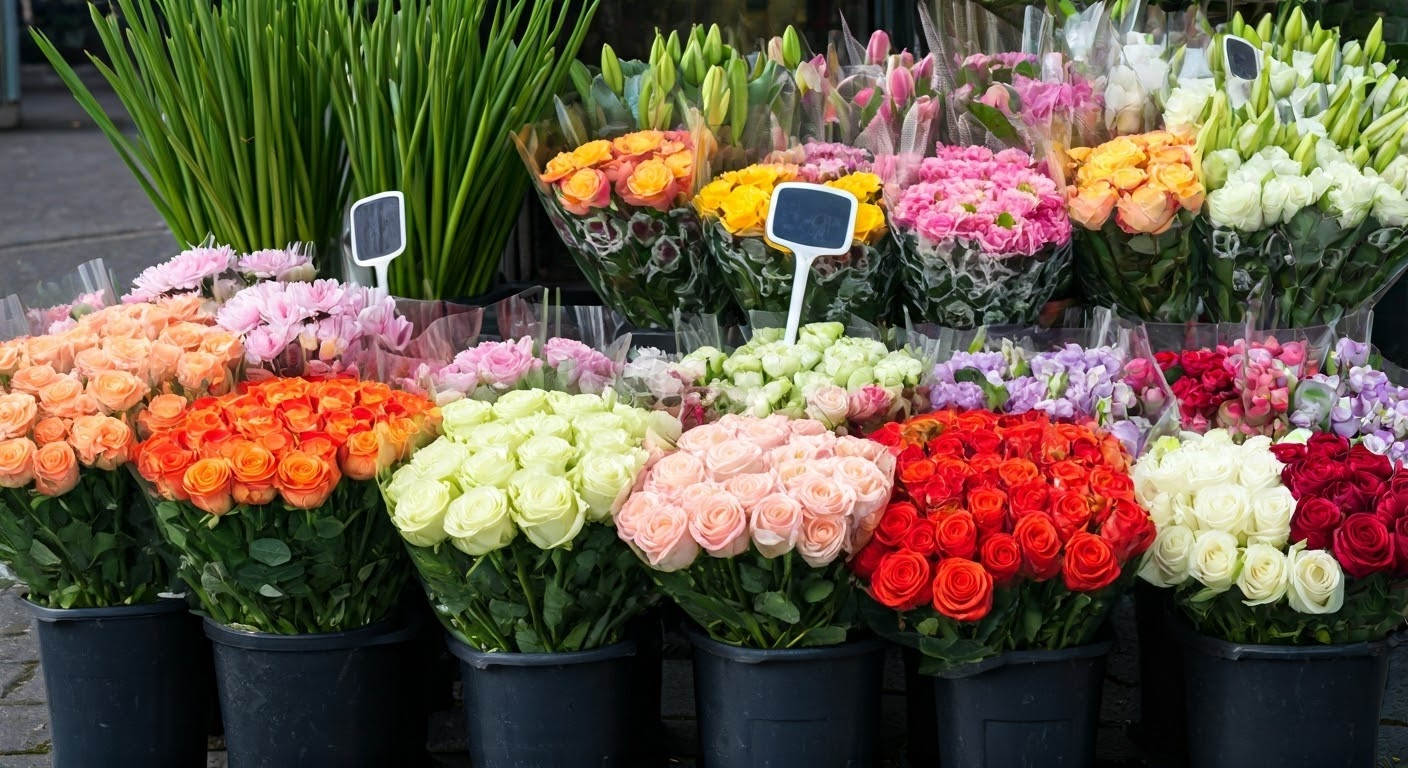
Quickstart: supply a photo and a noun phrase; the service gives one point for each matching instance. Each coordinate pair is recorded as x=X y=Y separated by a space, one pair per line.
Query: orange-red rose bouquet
x=1005 y=533
x=269 y=495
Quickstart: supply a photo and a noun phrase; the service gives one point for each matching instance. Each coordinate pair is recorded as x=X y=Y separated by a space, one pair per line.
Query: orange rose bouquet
x=1134 y=203
x=269 y=495
x=622 y=208
x=72 y=406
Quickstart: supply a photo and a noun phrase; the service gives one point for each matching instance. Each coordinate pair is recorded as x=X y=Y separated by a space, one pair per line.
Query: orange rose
x=364 y=454
x=305 y=480
x=50 y=430
x=1125 y=179
x=374 y=394
x=55 y=469
x=12 y=357
x=299 y=416
x=100 y=441
x=208 y=483
x=1092 y=205
x=638 y=143
x=592 y=153
x=17 y=414
x=16 y=462
x=163 y=361
x=182 y=308
x=117 y=391
x=91 y=361
x=201 y=372
x=584 y=190
x=187 y=336
x=127 y=354
x=1146 y=211
x=50 y=350
x=339 y=424
x=162 y=414
x=1180 y=181
x=225 y=346
x=65 y=398
x=652 y=184
x=335 y=395
x=163 y=462
x=275 y=391
x=319 y=444
x=33 y=378
x=681 y=164
x=254 y=467
x=560 y=167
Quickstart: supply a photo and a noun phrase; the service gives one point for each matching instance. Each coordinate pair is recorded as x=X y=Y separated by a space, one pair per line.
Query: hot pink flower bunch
x=771 y=484
x=321 y=320
x=993 y=80
x=999 y=202
x=501 y=366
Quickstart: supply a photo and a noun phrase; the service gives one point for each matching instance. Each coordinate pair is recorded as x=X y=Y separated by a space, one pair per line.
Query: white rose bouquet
x=1276 y=544
x=508 y=518
x=1317 y=232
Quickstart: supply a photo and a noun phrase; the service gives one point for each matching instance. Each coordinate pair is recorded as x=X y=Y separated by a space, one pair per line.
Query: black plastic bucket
x=326 y=699
x=1163 y=717
x=1025 y=708
x=1287 y=706
x=124 y=685
x=549 y=710
x=814 y=707
x=921 y=743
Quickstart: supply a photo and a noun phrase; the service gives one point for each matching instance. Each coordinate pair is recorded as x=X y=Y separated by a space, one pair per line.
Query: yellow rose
x=744 y=211
x=681 y=164
x=763 y=176
x=1090 y=206
x=638 y=143
x=1123 y=152
x=1126 y=179
x=1146 y=211
x=652 y=184
x=864 y=186
x=1171 y=155
x=560 y=167
x=870 y=223
x=712 y=196
x=1180 y=181
x=584 y=190
x=592 y=153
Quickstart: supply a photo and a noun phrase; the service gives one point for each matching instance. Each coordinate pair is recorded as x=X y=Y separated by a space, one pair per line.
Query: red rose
x=1363 y=546
x=895 y=523
x=1288 y=453
x=1054 y=446
x=948 y=445
x=1313 y=474
x=1216 y=380
x=1129 y=531
x=1314 y=522
x=1369 y=483
x=1070 y=511
x=957 y=535
x=922 y=538
x=1399 y=482
x=1002 y=556
x=1041 y=546
x=1090 y=564
x=1109 y=484
x=1400 y=545
x=1068 y=474
x=984 y=441
x=989 y=509
x=984 y=463
x=1086 y=449
x=917 y=472
x=1362 y=460
x=975 y=420
x=1348 y=496
x=901 y=581
x=1391 y=507
x=1022 y=441
x=1166 y=359
x=1015 y=472
x=962 y=590
x=867 y=560
x=1327 y=444
x=888 y=435
x=1030 y=497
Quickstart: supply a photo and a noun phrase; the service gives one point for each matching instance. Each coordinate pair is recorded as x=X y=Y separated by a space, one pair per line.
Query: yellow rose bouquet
x=759 y=273
x=1134 y=201
x=622 y=208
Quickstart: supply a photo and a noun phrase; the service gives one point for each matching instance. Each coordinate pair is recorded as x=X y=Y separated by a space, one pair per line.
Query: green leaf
x=817 y=590
x=555 y=601
x=270 y=551
x=269 y=590
x=753 y=578
x=776 y=605
x=329 y=528
x=831 y=635
x=928 y=627
x=573 y=641
x=42 y=554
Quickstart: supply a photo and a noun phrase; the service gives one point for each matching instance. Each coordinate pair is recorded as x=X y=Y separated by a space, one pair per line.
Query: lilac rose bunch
x=492 y=368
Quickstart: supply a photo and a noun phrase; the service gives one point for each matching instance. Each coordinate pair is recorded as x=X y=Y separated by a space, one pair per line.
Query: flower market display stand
x=334 y=698
x=1316 y=707
x=808 y=706
x=1036 y=708
x=548 y=710
x=125 y=681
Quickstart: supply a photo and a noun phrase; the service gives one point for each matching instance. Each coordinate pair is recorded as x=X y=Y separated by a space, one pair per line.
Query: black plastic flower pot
x=1025 y=708
x=548 y=710
x=124 y=684
x=817 y=707
x=324 y=699
x=1288 y=706
x=1163 y=718
x=921 y=743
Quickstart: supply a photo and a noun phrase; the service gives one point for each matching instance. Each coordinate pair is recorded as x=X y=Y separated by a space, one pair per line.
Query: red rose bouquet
x=1004 y=533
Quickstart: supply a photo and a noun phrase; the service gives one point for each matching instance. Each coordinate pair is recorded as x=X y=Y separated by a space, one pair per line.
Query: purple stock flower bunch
x=1355 y=400
x=324 y=319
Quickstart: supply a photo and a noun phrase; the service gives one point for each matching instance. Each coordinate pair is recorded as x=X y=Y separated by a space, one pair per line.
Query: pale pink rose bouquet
x=748 y=527
x=218 y=272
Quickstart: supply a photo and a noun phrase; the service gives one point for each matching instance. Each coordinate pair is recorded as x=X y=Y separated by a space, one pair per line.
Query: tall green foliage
x=232 y=106
x=431 y=93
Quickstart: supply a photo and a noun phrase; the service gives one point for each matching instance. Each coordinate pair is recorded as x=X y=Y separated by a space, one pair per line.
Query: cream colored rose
x=547 y=508
x=829 y=405
x=1259 y=471
x=1272 y=510
x=1265 y=576
x=420 y=512
x=1225 y=508
x=547 y=454
x=1166 y=562
x=478 y=522
x=1317 y=582
x=1214 y=560
x=440 y=460
x=489 y=467
x=493 y=434
x=520 y=402
x=605 y=479
x=459 y=416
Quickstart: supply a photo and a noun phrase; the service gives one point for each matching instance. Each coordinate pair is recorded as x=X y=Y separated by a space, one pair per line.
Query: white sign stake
x=812 y=221
x=379 y=233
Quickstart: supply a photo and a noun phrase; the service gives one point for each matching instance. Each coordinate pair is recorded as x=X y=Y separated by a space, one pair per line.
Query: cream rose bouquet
x=749 y=525
x=1290 y=543
x=508 y=518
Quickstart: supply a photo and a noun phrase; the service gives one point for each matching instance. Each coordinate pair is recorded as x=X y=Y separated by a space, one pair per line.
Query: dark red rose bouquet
x=1004 y=533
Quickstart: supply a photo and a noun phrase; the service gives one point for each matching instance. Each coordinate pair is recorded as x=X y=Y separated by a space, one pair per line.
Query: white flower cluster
x=1272 y=187
x=1224 y=520
x=544 y=463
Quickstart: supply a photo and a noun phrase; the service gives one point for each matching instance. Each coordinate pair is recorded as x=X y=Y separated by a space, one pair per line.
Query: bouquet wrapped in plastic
x=1135 y=199
x=759 y=274
x=984 y=238
x=1359 y=396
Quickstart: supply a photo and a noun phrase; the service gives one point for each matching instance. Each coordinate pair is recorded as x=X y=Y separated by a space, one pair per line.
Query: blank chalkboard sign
x=378 y=231
x=812 y=218
x=1243 y=59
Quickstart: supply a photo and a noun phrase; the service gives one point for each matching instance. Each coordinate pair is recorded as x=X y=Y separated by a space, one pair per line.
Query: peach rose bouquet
x=72 y=408
x=508 y=518
x=759 y=273
x=622 y=208
x=749 y=525
x=268 y=494
x=1134 y=201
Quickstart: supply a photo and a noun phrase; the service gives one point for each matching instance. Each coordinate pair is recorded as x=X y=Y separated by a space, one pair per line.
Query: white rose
x=1146 y=487
x=586 y=423
x=1125 y=100
x=1181 y=506
x=546 y=454
x=1184 y=109
x=547 y=508
x=633 y=420
x=1260 y=470
x=820 y=335
x=898 y=369
x=520 y=402
x=662 y=431
x=459 y=416
x=1214 y=560
x=1271 y=517
x=1225 y=508
x=401 y=479
x=1284 y=196
x=610 y=440
x=1390 y=206
x=1166 y=562
x=1237 y=206
x=440 y=460
x=1396 y=174
x=489 y=467
x=494 y=434
x=605 y=480
x=420 y=512
x=829 y=405
x=1352 y=199
x=478 y=522
x=1317 y=583
x=573 y=406
x=1265 y=576
x=549 y=424
x=1219 y=167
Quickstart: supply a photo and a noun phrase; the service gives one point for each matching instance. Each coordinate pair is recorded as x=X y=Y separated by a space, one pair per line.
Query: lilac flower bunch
x=217 y=272
x=1355 y=400
x=322 y=320
x=491 y=368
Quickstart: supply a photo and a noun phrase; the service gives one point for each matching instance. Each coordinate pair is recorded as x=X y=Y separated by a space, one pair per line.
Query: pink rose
x=821 y=539
x=507 y=363
x=805 y=427
x=717 y=522
x=674 y=473
x=866 y=449
x=793 y=451
x=767 y=433
x=791 y=471
x=870 y=401
x=636 y=512
x=776 y=523
x=699 y=439
x=821 y=496
x=871 y=486
x=823 y=445
x=662 y=539
x=735 y=457
x=750 y=489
